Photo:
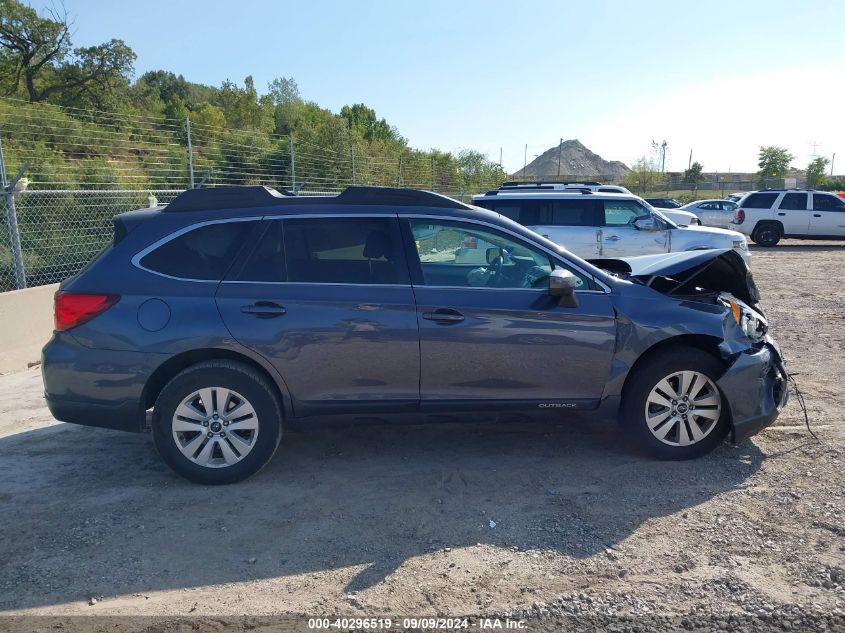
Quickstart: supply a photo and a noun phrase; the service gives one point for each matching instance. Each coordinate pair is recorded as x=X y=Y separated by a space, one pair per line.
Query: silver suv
x=596 y=225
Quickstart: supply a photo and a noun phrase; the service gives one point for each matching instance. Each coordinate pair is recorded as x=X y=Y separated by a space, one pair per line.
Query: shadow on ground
x=93 y=512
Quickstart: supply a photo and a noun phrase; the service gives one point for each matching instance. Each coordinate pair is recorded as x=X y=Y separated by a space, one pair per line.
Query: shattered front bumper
x=755 y=387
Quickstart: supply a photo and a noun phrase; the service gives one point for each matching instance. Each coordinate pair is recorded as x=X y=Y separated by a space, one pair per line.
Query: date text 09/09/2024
x=484 y=624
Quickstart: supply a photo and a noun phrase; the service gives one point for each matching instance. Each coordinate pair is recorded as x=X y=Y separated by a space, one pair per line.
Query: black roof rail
x=231 y=197
x=245 y=197
x=395 y=196
x=582 y=190
x=523 y=183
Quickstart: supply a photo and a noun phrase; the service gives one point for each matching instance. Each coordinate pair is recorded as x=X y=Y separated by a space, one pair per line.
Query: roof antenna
x=299 y=187
x=204 y=180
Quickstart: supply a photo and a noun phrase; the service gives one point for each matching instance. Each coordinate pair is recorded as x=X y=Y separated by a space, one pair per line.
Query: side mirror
x=646 y=224
x=562 y=284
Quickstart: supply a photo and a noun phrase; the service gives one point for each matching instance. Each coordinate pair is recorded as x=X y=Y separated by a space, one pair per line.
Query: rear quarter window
x=760 y=200
x=203 y=253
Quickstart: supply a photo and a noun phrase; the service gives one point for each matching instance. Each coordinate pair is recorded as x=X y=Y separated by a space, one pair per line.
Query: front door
x=828 y=215
x=621 y=238
x=491 y=331
x=327 y=301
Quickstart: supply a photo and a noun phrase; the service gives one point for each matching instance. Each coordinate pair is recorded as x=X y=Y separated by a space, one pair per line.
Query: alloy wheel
x=215 y=427
x=683 y=408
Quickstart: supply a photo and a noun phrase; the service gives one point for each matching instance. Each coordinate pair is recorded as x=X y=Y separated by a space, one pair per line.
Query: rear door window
x=794 y=202
x=825 y=202
x=203 y=253
x=347 y=250
x=760 y=201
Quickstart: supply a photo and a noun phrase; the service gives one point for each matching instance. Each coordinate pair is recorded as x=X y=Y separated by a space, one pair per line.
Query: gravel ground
x=555 y=524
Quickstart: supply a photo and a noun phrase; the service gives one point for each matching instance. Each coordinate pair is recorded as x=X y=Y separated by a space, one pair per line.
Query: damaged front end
x=754 y=383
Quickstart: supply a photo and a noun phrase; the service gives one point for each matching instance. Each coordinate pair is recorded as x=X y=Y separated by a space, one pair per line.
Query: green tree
x=644 y=175
x=774 y=161
x=283 y=90
x=37 y=51
x=816 y=171
x=366 y=124
x=243 y=108
x=694 y=174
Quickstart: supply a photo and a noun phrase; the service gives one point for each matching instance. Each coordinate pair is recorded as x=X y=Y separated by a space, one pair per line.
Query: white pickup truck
x=593 y=224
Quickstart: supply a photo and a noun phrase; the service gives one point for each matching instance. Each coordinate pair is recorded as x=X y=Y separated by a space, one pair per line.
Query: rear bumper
x=96 y=387
x=756 y=390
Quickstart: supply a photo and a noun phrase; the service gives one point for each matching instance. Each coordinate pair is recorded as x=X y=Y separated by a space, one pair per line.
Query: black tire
x=767 y=234
x=234 y=376
x=646 y=377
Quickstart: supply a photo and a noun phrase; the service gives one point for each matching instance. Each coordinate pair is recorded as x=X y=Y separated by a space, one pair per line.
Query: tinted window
x=794 y=202
x=581 y=211
x=760 y=201
x=267 y=262
x=708 y=205
x=822 y=202
x=462 y=254
x=343 y=250
x=202 y=253
x=623 y=212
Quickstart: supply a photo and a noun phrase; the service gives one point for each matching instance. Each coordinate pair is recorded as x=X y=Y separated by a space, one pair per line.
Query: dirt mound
x=575 y=160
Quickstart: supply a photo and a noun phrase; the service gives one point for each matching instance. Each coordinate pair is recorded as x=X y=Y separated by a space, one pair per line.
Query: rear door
x=794 y=213
x=621 y=238
x=328 y=301
x=828 y=215
x=492 y=333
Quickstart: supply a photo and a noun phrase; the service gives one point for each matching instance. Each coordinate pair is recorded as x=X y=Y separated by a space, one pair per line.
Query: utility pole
x=500 y=156
x=525 y=161
x=832 y=158
x=559 y=151
x=689 y=166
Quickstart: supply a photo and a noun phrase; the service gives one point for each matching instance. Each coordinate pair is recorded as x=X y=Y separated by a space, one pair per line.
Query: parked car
x=769 y=215
x=663 y=203
x=235 y=313
x=605 y=224
x=713 y=212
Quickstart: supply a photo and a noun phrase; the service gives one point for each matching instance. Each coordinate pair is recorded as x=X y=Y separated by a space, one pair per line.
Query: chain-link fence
x=79 y=168
x=61 y=230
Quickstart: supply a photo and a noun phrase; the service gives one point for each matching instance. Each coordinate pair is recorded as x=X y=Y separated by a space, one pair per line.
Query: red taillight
x=73 y=308
x=739 y=218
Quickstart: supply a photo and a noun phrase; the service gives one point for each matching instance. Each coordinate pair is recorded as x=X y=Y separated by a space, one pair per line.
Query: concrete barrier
x=26 y=324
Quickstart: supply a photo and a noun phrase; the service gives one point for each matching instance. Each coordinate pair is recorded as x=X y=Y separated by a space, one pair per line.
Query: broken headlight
x=752 y=323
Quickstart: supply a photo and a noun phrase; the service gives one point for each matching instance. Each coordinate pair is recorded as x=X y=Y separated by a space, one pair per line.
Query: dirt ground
x=546 y=522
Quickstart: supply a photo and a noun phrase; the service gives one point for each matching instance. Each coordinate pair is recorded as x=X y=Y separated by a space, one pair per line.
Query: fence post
x=433 y=180
x=12 y=219
x=292 y=166
x=399 y=175
x=190 y=152
x=352 y=154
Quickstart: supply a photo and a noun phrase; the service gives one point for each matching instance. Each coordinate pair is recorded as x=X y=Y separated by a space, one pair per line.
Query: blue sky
x=717 y=77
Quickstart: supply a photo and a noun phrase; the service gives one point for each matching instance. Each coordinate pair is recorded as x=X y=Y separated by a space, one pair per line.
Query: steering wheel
x=496 y=269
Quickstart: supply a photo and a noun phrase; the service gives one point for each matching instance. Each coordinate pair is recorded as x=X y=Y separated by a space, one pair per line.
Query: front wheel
x=672 y=407
x=217 y=422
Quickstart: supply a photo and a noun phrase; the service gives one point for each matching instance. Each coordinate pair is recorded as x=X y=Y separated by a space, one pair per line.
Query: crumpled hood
x=719 y=270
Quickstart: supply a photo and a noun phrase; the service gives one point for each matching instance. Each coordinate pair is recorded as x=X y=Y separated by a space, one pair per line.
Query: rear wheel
x=217 y=422
x=767 y=234
x=673 y=408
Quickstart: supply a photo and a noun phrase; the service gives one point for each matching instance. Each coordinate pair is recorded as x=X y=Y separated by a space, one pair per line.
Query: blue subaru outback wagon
x=233 y=312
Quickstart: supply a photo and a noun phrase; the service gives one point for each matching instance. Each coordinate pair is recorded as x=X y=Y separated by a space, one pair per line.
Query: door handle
x=444 y=316
x=781 y=214
x=612 y=238
x=264 y=309
x=817 y=215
